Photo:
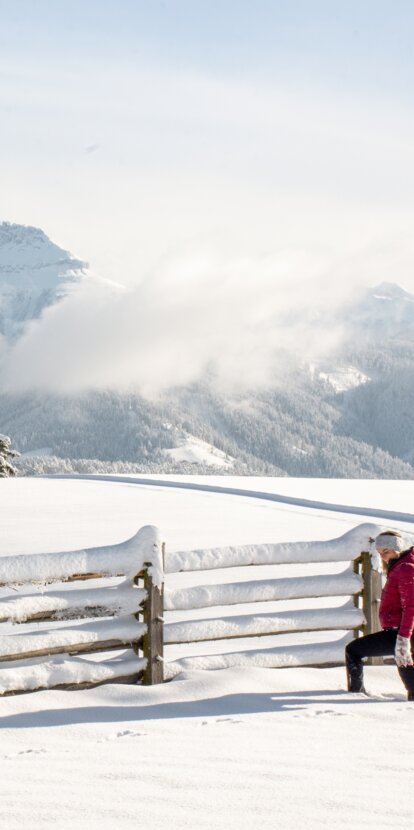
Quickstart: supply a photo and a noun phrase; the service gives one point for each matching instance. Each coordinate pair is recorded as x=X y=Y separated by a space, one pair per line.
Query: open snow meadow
x=242 y=746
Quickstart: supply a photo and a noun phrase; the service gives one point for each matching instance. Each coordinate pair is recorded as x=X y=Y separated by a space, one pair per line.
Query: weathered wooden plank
x=69 y=614
x=73 y=687
x=75 y=648
x=73 y=578
x=269 y=633
x=63 y=615
x=266 y=590
x=262 y=625
x=107 y=601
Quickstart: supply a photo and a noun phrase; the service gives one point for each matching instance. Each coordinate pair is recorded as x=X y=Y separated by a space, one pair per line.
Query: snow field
x=234 y=748
x=243 y=747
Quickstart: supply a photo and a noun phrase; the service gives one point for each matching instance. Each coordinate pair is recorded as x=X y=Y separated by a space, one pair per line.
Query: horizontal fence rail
x=88 y=637
x=113 y=560
x=63 y=672
x=67 y=605
x=263 y=590
x=280 y=657
x=259 y=625
x=342 y=549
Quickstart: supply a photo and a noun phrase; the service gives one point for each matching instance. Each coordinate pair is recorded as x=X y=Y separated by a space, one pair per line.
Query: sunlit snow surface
x=344 y=378
x=195 y=451
x=242 y=747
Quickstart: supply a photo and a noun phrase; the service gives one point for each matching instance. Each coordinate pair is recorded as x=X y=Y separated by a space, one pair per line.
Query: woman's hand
x=403 y=657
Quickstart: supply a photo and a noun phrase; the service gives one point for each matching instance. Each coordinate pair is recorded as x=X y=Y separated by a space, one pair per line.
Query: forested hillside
x=307 y=430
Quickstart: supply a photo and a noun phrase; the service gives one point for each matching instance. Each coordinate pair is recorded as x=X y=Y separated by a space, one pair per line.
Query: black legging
x=381 y=644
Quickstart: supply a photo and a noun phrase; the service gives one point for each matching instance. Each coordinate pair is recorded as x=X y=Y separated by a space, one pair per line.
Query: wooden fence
x=124 y=615
x=359 y=582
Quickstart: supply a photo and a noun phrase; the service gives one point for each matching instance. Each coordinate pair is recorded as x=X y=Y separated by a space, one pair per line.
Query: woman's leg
x=380 y=644
x=407 y=675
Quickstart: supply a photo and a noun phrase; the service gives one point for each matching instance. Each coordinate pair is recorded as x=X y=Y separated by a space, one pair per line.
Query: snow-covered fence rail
x=121 y=615
x=264 y=590
x=342 y=549
x=359 y=582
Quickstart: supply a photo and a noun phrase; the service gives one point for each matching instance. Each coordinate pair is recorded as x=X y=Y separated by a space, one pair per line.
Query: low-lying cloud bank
x=232 y=318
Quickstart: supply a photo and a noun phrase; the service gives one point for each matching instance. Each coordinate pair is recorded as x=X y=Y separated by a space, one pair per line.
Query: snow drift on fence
x=280 y=657
x=41 y=674
x=256 y=625
x=126 y=558
x=112 y=600
x=343 y=548
x=264 y=590
x=124 y=630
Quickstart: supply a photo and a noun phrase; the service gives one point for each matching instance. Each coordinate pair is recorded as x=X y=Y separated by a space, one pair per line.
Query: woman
x=396 y=614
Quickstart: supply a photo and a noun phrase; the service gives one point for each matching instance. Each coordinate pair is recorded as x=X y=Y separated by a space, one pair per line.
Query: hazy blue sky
x=140 y=133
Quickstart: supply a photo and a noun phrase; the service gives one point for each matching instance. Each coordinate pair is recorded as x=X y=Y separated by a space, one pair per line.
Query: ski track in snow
x=254 y=494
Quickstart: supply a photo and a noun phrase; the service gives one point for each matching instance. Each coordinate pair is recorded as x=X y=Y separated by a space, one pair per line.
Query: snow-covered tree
x=6 y=468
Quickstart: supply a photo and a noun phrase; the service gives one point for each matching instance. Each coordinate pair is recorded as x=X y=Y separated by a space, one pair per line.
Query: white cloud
x=234 y=319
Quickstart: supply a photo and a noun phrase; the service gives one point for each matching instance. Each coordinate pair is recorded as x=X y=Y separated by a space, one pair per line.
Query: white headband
x=390 y=542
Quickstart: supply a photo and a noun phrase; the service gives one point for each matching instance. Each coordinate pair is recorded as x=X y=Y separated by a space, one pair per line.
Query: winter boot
x=354 y=674
x=410 y=696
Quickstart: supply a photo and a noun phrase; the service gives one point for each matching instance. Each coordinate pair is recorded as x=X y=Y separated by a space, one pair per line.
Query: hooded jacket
x=397 y=600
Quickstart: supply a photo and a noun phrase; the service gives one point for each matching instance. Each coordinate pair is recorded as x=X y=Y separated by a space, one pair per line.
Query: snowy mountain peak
x=30 y=260
x=34 y=274
x=390 y=291
x=385 y=311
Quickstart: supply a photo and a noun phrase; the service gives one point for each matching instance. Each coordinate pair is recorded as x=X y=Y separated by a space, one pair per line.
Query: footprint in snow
x=318 y=712
x=126 y=733
x=129 y=733
x=24 y=752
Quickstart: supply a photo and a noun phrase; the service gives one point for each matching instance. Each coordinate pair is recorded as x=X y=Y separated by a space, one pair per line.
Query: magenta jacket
x=397 y=600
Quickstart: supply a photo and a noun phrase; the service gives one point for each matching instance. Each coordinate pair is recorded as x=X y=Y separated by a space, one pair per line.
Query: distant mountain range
x=349 y=416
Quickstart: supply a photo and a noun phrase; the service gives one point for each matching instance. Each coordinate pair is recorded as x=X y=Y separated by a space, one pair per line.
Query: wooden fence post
x=153 y=641
x=356 y=597
x=371 y=596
